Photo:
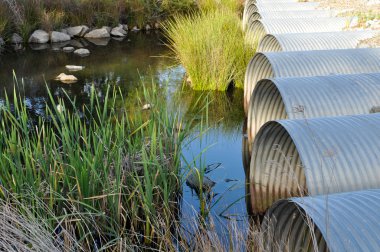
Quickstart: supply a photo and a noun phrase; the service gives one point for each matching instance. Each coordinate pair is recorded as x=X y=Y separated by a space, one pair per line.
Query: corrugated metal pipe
x=250 y=8
x=289 y=14
x=308 y=97
x=315 y=41
x=314 y=157
x=259 y=28
x=308 y=63
x=337 y=222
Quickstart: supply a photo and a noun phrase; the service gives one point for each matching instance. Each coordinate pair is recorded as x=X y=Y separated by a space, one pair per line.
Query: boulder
x=118 y=32
x=39 y=47
x=107 y=28
x=68 y=49
x=82 y=52
x=125 y=27
x=99 y=41
x=66 y=78
x=56 y=37
x=16 y=39
x=39 y=37
x=98 y=33
x=77 y=31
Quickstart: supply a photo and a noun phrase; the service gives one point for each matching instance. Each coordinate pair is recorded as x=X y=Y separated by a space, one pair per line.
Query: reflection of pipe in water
x=336 y=222
x=246 y=154
x=314 y=156
x=308 y=97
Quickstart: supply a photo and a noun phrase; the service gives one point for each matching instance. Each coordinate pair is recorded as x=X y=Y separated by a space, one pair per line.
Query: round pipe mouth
x=258 y=68
x=287 y=227
x=276 y=170
x=266 y=104
x=269 y=43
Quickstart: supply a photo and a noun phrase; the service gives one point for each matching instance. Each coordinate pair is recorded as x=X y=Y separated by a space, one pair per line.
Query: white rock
x=118 y=32
x=39 y=37
x=107 y=28
x=157 y=25
x=16 y=39
x=82 y=52
x=68 y=49
x=56 y=37
x=66 y=78
x=77 y=31
x=147 y=106
x=98 y=33
x=354 y=22
x=148 y=27
x=74 y=68
x=135 y=29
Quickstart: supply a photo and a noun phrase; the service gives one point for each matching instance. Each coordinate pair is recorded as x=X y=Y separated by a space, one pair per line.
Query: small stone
x=77 y=31
x=135 y=29
x=354 y=22
x=98 y=33
x=193 y=181
x=16 y=39
x=57 y=37
x=39 y=37
x=148 y=27
x=68 y=49
x=147 y=106
x=82 y=52
x=157 y=25
x=66 y=78
x=74 y=68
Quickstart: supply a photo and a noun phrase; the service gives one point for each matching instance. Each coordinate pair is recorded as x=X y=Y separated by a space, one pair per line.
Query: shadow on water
x=125 y=63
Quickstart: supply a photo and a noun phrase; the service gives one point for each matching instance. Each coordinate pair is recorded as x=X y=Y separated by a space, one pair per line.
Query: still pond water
x=141 y=56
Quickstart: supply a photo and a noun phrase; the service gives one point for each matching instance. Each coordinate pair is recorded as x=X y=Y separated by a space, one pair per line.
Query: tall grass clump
x=210 y=45
x=107 y=175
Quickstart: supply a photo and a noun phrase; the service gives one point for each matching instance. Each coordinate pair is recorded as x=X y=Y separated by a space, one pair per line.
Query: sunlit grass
x=210 y=45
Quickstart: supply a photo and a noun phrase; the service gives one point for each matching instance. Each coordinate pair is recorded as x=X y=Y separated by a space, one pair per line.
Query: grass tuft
x=210 y=45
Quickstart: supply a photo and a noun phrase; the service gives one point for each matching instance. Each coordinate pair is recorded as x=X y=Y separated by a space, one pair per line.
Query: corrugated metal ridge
x=289 y=14
x=348 y=221
x=308 y=63
x=308 y=97
x=314 y=41
x=314 y=156
x=257 y=29
x=282 y=6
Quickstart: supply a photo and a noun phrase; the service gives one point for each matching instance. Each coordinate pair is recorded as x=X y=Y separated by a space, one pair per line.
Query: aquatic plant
x=104 y=173
x=210 y=45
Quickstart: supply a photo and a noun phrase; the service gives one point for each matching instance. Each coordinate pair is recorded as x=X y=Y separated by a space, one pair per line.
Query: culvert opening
x=255 y=31
x=258 y=68
x=276 y=170
x=287 y=227
x=266 y=104
x=269 y=44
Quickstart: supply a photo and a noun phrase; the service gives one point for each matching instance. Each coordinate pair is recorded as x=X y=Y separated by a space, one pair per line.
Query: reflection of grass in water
x=224 y=108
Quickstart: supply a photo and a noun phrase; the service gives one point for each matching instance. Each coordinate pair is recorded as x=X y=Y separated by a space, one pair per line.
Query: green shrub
x=210 y=45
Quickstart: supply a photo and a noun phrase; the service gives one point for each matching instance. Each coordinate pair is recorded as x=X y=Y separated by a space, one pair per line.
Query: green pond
x=126 y=62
